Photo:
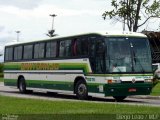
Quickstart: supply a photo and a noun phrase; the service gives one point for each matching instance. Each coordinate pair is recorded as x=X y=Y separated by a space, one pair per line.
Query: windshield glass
x=141 y=55
x=128 y=55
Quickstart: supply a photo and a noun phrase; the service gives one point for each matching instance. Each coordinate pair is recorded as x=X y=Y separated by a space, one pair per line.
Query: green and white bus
x=96 y=64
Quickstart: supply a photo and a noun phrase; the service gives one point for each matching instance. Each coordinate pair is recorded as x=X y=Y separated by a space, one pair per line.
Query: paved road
x=8 y=91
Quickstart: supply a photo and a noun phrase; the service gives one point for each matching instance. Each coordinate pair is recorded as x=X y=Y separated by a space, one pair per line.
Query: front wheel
x=119 y=98
x=22 y=85
x=81 y=90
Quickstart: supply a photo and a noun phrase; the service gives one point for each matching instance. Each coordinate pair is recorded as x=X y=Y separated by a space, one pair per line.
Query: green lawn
x=1 y=79
x=32 y=106
x=32 y=109
x=11 y=105
x=156 y=90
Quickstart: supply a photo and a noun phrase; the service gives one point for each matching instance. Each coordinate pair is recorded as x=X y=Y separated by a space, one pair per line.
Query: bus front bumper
x=127 y=89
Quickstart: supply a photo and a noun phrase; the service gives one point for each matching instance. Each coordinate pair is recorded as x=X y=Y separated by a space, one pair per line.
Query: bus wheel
x=81 y=90
x=22 y=85
x=119 y=98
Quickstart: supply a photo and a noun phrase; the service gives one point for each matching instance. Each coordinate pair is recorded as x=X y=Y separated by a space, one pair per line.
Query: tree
x=130 y=12
x=1 y=69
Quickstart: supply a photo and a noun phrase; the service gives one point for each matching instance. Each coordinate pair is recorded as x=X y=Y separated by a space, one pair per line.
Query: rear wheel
x=81 y=90
x=119 y=98
x=22 y=85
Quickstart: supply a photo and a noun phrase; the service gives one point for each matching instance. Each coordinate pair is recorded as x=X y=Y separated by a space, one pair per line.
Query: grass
x=156 y=90
x=32 y=109
x=31 y=106
x=21 y=106
x=1 y=80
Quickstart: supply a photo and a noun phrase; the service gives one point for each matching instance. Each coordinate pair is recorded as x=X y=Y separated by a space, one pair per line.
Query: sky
x=31 y=17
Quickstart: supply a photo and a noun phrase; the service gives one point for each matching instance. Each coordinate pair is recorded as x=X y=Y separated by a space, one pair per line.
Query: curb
x=144 y=97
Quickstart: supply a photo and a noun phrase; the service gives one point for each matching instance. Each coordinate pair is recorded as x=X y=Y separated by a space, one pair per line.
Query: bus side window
x=100 y=56
x=91 y=48
x=39 y=50
x=51 y=49
x=74 y=47
x=65 y=48
x=18 y=53
x=6 y=54
x=82 y=46
x=9 y=54
x=28 y=52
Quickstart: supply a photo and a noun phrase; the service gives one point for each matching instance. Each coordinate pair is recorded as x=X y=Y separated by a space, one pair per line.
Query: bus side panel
x=10 y=79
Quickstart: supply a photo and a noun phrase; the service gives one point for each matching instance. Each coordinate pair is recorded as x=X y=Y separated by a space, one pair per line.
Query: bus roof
x=109 y=34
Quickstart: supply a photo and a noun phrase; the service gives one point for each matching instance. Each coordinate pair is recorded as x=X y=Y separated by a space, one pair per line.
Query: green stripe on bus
x=59 y=85
x=48 y=82
x=10 y=82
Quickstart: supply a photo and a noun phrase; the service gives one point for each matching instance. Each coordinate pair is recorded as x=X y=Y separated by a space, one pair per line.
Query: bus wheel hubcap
x=21 y=86
x=81 y=89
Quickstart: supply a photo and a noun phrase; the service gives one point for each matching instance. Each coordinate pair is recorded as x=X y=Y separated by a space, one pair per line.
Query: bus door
x=100 y=56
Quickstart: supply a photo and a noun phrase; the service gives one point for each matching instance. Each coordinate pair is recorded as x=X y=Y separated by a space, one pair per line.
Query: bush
x=1 y=75
x=1 y=70
x=1 y=67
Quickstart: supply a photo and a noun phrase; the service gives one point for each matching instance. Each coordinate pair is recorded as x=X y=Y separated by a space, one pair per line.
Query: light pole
x=18 y=32
x=53 y=15
x=52 y=31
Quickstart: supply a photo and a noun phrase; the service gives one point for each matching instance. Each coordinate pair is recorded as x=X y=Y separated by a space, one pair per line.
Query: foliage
x=1 y=70
x=131 y=11
x=156 y=89
x=1 y=79
x=1 y=67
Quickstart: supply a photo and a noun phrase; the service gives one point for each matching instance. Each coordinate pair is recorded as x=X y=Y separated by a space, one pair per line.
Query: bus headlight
x=148 y=80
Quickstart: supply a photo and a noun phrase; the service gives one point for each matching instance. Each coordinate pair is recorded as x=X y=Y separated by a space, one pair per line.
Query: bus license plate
x=132 y=90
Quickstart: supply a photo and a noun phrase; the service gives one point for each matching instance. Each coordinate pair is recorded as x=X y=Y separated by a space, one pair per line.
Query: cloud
x=2 y=28
x=5 y=38
x=43 y=10
x=4 y=41
x=23 y=4
x=73 y=16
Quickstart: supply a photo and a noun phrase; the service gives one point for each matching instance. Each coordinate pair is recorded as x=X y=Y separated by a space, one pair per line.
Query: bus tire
x=119 y=98
x=22 y=85
x=81 y=90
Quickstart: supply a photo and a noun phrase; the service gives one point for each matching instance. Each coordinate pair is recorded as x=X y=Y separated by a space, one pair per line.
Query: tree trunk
x=135 y=26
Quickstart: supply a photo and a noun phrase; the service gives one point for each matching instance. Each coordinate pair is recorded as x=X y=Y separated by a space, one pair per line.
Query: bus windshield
x=128 y=55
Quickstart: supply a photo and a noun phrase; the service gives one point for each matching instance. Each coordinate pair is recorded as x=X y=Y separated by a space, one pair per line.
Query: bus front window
x=141 y=55
x=128 y=55
x=119 y=56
